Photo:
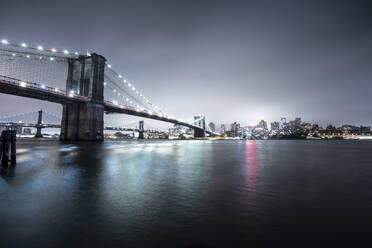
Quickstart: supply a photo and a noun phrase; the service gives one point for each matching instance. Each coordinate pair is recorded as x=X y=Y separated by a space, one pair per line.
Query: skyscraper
x=212 y=126
x=235 y=129
x=262 y=124
x=223 y=129
x=274 y=126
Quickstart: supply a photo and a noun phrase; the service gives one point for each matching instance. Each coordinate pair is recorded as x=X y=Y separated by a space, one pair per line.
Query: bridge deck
x=17 y=87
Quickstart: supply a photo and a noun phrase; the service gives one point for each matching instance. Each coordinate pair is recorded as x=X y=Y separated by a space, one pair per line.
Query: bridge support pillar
x=199 y=133
x=141 y=130
x=39 y=123
x=84 y=120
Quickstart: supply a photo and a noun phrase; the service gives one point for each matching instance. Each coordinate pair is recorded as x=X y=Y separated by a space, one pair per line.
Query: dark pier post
x=13 y=148
x=84 y=121
x=8 y=145
x=39 y=125
x=141 y=130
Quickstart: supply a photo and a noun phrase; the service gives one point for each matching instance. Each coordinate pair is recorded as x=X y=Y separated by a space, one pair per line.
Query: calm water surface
x=187 y=194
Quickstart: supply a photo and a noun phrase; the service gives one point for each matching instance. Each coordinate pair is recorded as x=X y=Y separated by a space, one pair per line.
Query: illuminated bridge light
x=114 y=90
x=40 y=48
x=23 y=45
x=125 y=80
x=129 y=85
x=54 y=50
x=109 y=66
x=76 y=53
x=5 y=42
x=65 y=52
x=120 y=76
x=104 y=83
x=56 y=89
x=28 y=56
x=13 y=54
x=71 y=95
x=22 y=84
x=51 y=59
x=43 y=86
x=72 y=92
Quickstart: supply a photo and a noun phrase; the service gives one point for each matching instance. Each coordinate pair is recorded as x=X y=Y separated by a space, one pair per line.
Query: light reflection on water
x=179 y=193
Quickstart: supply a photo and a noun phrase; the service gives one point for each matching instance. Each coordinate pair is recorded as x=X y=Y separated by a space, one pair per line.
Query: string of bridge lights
x=131 y=87
x=128 y=100
x=66 y=53
x=40 y=48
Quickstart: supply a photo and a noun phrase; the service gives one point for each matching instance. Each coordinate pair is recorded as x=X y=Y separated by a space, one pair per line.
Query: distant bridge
x=41 y=125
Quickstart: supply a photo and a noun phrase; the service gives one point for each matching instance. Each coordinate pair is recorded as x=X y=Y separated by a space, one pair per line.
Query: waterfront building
x=262 y=124
x=274 y=126
x=235 y=129
x=284 y=125
x=295 y=125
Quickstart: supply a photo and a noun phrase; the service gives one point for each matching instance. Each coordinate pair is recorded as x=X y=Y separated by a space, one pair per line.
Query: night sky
x=230 y=60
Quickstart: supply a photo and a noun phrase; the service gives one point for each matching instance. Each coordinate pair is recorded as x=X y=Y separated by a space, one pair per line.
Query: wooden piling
x=8 y=148
x=13 y=150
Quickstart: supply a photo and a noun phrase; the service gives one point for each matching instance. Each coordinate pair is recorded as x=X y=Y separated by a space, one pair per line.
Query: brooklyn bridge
x=92 y=89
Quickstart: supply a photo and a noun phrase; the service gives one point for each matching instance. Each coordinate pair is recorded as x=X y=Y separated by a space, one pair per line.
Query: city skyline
x=244 y=71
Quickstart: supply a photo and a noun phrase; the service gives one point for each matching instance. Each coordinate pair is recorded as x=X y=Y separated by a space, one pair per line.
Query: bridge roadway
x=17 y=87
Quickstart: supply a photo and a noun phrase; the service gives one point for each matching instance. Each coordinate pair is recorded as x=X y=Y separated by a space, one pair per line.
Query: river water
x=187 y=194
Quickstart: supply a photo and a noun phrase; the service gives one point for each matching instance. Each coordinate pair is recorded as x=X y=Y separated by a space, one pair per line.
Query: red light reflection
x=251 y=167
